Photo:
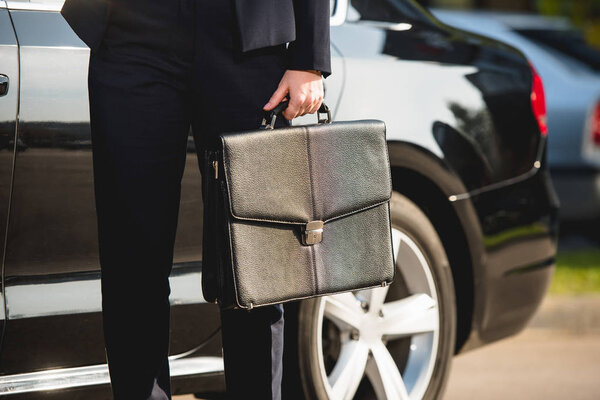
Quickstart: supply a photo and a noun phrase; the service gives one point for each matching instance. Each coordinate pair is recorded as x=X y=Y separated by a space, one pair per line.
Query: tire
x=414 y=362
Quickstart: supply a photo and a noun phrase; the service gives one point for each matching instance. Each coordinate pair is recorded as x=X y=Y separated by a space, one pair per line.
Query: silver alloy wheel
x=367 y=323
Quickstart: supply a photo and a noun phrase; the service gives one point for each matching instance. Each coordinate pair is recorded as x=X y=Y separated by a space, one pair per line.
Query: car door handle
x=3 y=84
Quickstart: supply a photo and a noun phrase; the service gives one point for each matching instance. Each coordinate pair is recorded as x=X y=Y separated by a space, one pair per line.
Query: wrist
x=314 y=71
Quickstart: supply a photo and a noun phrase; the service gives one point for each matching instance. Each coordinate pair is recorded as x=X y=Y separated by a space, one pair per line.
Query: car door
x=51 y=268
x=9 y=88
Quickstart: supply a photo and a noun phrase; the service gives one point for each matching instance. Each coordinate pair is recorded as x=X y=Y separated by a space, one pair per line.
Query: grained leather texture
x=356 y=251
x=305 y=173
x=349 y=166
x=268 y=175
x=271 y=265
x=274 y=265
x=271 y=183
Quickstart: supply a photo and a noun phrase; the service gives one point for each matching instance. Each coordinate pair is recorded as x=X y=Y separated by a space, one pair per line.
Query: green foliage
x=583 y=13
x=577 y=272
x=579 y=10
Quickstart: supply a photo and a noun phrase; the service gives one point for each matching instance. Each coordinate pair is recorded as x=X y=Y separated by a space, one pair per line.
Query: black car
x=474 y=214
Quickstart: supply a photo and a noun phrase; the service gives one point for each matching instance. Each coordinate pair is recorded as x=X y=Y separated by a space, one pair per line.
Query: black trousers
x=165 y=66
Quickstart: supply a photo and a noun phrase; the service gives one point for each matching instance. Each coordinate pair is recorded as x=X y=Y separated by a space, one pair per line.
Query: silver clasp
x=312 y=233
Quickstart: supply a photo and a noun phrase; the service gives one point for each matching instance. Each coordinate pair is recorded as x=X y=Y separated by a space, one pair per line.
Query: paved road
x=534 y=365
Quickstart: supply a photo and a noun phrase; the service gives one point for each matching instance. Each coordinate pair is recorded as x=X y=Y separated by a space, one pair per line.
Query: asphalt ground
x=556 y=357
x=535 y=364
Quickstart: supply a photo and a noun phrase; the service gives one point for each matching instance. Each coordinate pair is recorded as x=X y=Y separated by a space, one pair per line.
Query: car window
x=569 y=43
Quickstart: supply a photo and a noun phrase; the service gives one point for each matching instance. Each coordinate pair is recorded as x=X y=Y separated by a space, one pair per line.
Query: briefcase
x=296 y=212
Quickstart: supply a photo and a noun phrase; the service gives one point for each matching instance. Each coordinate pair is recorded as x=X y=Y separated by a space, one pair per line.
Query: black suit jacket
x=262 y=23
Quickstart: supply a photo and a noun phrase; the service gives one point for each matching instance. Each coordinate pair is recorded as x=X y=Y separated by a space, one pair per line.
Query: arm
x=311 y=49
x=309 y=60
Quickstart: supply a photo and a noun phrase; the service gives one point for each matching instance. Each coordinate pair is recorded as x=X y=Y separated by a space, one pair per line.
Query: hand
x=305 y=88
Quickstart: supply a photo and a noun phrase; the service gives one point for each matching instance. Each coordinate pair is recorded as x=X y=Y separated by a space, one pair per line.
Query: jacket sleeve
x=311 y=49
x=88 y=19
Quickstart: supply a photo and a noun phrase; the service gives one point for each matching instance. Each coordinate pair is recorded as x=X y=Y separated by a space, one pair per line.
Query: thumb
x=276 y=98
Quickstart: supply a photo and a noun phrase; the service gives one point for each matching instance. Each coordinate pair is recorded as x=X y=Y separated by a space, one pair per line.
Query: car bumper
x=519 y=223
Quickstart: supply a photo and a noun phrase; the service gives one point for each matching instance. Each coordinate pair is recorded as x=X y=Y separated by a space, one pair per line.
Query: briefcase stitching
x=228 y=179
x=305 y=128
x=355 y=211
x=236 y=297
x=387 y=159
x=389 y=208
x=308 y=296
x=239 y=304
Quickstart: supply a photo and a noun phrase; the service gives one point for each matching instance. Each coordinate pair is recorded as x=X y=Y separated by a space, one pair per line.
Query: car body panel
x=510 y=231
x=52 y=274
x=436 y=89
x=573 y=160
x=519 y=225
x=465 y=101
x=567 y=114
x=9 y=68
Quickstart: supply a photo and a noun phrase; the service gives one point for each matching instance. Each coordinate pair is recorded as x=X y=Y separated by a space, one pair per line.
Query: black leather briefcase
x=296 y=212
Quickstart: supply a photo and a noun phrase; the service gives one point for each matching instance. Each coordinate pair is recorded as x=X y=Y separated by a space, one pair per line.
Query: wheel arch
x=423 y=177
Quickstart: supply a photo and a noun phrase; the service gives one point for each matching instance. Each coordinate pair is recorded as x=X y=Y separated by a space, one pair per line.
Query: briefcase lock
x=312 y=233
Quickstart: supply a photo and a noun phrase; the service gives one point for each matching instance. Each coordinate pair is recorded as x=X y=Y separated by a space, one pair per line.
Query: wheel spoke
x=349 y=370
x=374 y=298
x=396 y=239
x=414 y=314
x=343 y=310
x=384 y=375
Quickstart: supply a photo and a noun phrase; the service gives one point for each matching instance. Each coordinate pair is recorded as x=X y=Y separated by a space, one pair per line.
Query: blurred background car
x=570 y=70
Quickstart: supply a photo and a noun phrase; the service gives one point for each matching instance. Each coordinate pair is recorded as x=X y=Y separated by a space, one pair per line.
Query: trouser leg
x=139 y=127
x=230 y=89
x=139 y=117
x=253 y=351
x=140 y=107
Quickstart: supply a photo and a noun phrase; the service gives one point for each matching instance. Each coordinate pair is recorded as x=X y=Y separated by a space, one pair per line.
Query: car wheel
x=393 y=342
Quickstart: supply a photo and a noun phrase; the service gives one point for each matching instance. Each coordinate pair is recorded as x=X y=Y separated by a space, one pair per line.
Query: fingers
x=316 y=105
x=277 y=96
x=305 y=91
x=312 y=106
x=296 y=107
x=302 y=104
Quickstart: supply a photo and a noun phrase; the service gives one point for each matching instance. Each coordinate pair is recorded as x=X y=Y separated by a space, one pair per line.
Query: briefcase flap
x=299 y=174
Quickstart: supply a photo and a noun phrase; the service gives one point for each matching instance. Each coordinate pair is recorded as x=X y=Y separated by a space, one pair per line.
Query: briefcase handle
x=272 y=115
